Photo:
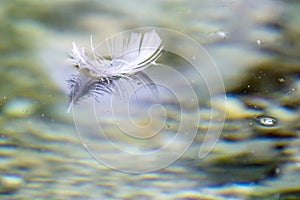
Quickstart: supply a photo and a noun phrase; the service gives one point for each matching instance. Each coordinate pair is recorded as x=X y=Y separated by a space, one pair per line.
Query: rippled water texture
x=47 y=153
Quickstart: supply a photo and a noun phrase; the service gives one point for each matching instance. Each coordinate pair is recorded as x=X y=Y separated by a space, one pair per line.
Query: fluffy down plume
x=128 y=57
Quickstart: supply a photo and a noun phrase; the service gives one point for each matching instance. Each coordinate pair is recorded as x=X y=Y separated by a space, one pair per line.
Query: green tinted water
x=255 y=46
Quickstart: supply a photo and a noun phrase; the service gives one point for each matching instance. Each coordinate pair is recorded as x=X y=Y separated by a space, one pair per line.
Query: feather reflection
x=83 y=87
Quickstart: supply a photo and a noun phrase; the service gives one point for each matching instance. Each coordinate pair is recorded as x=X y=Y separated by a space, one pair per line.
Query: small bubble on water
x=222 y=34
x=267 y=121
x=291 y=91
x=258 y=42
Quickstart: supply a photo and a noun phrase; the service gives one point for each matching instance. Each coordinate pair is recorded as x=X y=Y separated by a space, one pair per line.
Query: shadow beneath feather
x=83 y=87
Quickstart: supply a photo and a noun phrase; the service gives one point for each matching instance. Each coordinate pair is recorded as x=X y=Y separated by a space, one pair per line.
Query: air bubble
x=267 y=121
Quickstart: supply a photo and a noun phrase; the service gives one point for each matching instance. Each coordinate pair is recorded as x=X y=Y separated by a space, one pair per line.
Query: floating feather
x=128 y=57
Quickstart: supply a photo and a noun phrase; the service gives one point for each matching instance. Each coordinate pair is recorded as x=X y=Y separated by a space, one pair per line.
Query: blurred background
x=255 y=45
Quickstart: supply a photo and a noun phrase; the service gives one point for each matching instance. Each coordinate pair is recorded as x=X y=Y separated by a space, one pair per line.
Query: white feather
x=128 y=56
